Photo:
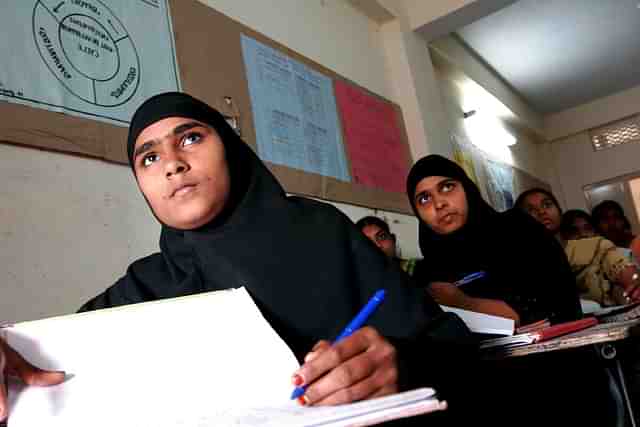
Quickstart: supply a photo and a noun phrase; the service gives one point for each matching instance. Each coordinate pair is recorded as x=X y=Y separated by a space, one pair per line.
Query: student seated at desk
x=378 y=231
x=526 y=275
x=603 y=272
x=226 y=223
x=611 y=222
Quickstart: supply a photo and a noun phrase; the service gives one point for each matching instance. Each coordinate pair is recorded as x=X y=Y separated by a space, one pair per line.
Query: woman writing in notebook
x=525 y=275
x=226 y=223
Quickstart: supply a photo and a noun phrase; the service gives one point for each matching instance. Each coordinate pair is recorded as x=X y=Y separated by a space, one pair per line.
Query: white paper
x=191 y=358
x=483 y=323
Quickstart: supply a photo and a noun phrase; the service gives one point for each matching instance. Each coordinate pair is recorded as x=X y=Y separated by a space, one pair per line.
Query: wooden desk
x=603 y=336
x=598 y=334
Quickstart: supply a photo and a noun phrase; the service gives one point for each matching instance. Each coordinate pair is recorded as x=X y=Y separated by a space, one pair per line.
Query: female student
x=603 y=273
x=611 y=222
x=226 y=222
x=378 y=231
x=525 y=274
x=525 y=277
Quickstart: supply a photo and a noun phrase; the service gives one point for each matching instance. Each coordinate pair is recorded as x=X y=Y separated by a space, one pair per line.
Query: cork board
x=209 y=54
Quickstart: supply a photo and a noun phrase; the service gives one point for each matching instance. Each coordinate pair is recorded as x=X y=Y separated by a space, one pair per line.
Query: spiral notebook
x=196 y=361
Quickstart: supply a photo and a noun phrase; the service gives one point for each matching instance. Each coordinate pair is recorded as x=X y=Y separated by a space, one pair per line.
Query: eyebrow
x=143 y=148
x=438 y=186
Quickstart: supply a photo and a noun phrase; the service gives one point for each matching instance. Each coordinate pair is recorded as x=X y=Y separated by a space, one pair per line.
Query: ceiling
x=558 y=54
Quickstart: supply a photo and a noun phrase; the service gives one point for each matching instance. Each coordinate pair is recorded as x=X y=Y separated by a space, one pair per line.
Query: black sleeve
x=540 y=266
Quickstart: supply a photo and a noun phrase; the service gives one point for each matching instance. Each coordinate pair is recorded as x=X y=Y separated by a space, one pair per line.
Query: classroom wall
x=525 y=154
x=575 y=162
x=70 y=226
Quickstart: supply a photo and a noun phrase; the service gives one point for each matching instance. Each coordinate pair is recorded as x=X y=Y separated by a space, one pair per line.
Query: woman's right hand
x=12 y=363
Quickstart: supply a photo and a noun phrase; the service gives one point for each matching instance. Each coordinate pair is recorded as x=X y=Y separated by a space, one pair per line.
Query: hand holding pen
x=361 y=365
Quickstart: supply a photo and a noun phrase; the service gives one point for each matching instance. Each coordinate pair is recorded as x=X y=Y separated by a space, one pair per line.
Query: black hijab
x=304 y=263
x=480 y=214
x=524 y=266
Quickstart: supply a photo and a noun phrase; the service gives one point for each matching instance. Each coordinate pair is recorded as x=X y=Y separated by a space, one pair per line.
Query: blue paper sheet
x=294 y=112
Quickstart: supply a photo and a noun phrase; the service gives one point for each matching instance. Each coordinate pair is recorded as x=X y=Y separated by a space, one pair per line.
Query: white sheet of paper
x=483 y=323
x=187 y=359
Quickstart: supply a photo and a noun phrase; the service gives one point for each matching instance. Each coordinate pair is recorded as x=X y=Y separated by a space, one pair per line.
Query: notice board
x=369 y=158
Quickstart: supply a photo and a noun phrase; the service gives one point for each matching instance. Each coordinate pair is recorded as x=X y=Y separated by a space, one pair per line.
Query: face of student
x=181 y=169
x=542 y=209
x=441 y=203
x=611 y=223
x=582 y=229
x=383 y=240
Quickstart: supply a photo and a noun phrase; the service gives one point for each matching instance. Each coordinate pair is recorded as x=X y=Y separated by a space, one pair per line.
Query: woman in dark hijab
x=226 y=223
x=526 y=275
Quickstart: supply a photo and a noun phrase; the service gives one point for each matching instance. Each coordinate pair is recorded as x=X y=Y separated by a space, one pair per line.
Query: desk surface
x=602 y=333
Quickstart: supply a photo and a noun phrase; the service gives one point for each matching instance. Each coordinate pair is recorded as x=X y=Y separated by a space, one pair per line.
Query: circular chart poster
x=97 y=58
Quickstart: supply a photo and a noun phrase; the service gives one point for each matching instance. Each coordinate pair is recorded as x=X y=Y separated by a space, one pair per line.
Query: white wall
x=577 y=164
x=69 y=226
x=453 y=83
x=593 y=114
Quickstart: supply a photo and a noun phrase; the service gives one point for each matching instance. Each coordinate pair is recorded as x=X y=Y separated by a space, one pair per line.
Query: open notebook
x=203 y=360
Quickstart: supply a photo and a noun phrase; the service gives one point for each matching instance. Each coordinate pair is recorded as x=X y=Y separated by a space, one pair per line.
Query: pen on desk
x=353 y=326
x=470 y=278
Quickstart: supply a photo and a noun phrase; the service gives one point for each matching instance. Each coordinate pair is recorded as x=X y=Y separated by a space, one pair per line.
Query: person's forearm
x=491 y=306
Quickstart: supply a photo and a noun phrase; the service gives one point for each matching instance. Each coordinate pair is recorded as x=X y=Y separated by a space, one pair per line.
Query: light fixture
x=487 y=130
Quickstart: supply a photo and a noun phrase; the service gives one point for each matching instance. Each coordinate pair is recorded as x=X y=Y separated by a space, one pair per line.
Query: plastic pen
x=470 y=278
x=353 y=326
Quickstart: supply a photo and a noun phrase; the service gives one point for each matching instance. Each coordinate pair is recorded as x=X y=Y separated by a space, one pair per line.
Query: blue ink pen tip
x=299 y=391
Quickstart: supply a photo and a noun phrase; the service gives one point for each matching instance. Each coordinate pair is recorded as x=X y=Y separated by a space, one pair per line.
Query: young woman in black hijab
x=226 y=223
x=526 y=274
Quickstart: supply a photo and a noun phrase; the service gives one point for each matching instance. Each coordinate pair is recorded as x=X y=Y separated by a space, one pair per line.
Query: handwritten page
x=379 y=159
x=181 y=359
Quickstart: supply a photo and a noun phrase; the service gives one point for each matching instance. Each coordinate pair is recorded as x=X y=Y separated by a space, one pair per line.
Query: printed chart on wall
x=378 y=157
x=500 y=185
x=90 y=58
x=294 y=112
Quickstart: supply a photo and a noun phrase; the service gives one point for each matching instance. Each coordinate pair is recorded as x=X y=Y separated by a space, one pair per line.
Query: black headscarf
x=304 y=263
x=524 y=266
x=479 y=215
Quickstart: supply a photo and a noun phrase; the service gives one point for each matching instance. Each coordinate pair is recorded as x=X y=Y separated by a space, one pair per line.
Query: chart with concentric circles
x=89 y=51
x=92 y=58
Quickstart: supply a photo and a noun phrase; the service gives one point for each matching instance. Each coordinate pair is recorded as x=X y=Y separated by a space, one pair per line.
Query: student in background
x=526 y=278
x=611 y=222
x=603 y=272
x=377 y=230
x=226 y=222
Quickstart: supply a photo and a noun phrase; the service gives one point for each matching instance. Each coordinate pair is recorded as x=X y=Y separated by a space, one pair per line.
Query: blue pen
x=470 y=278
x=353 y=326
